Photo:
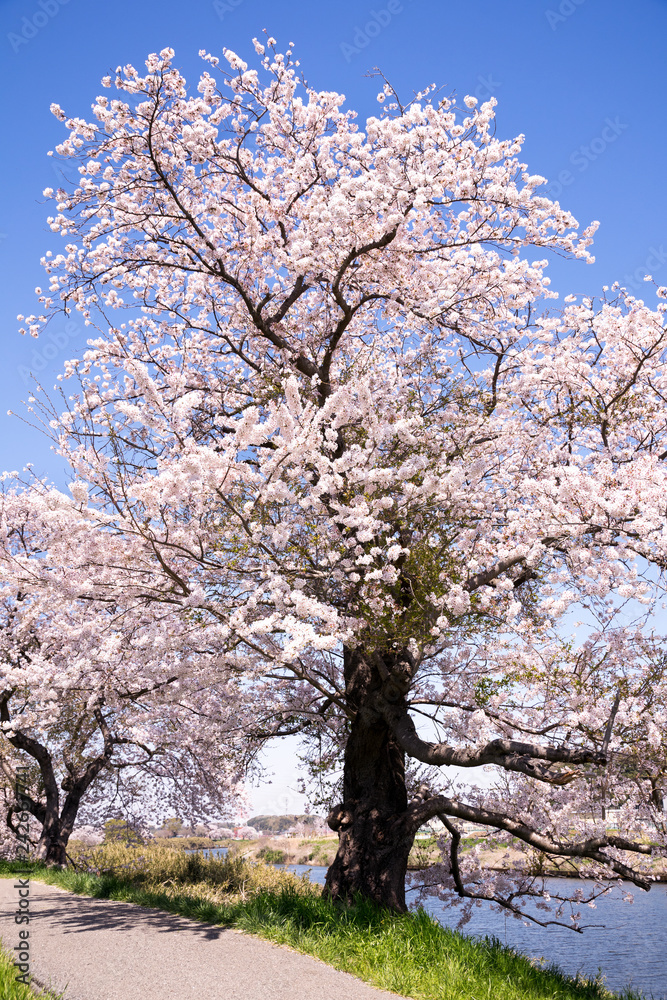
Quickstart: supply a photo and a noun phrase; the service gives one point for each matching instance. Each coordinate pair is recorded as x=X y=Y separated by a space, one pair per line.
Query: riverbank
x=408 y=954
x=322 y=851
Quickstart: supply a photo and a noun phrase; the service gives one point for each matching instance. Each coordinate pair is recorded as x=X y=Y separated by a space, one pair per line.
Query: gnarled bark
x=374 y=838
x=375 y=822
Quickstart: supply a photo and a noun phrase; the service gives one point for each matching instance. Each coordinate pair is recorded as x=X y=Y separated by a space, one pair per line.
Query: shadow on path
x=100 y=949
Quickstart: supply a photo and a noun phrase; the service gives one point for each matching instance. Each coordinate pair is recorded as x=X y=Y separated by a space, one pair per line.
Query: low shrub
x=272 y=856
x=159 y=866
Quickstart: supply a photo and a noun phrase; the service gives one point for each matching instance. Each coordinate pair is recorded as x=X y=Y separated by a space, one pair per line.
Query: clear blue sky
x=584 y=80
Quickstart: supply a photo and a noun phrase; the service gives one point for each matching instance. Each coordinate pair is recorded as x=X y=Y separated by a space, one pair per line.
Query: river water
x=630 y=949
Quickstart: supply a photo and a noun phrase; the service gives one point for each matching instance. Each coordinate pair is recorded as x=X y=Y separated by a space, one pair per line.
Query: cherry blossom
x=331 y=415
x=92 y=695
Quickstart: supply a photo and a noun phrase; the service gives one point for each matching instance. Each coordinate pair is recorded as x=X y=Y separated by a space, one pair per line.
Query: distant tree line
x=279 y=824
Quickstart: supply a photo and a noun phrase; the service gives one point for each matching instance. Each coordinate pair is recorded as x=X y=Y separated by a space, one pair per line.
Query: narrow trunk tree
x=56 y=816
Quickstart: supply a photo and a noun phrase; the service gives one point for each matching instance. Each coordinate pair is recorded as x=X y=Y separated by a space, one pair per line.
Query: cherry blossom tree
x=96 y=702
x=331 y=413
x=87 y=835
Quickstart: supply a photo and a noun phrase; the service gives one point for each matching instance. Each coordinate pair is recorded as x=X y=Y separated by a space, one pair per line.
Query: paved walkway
x=103 y=950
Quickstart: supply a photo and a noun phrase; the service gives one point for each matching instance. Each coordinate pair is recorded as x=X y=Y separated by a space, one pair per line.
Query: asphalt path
x=99 y=949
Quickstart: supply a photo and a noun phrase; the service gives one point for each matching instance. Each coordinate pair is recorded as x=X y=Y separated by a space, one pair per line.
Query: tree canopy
x=331 y=417
x=100 y=708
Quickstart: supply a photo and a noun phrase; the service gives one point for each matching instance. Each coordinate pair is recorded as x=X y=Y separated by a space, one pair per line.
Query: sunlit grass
x=10 y=989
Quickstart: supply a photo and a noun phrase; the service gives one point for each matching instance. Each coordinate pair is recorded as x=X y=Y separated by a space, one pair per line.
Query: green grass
x=9 y=988
x=272 y=856
x=409 y=954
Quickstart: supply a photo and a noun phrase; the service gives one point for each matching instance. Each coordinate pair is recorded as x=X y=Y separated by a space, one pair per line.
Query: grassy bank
x=409 y=954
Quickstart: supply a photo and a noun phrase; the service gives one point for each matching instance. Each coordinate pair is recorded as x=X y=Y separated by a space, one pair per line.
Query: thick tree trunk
x=52 y=847
x=374 y=837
